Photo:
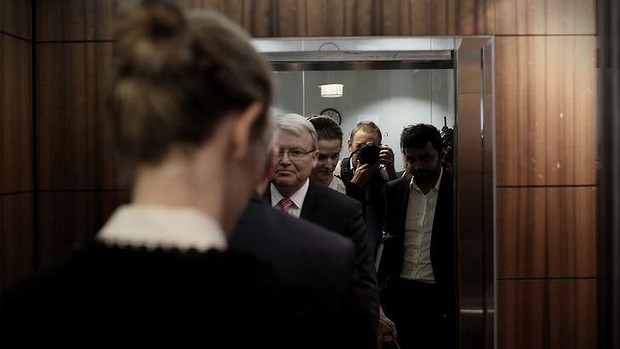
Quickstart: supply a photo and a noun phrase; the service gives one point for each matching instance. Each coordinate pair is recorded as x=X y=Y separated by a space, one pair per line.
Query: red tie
x=285 y=204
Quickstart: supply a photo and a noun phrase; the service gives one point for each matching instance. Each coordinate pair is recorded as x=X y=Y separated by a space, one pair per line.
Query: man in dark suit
x=293 y=191
x=370 y=166
x=417 y=268
x=314 y=278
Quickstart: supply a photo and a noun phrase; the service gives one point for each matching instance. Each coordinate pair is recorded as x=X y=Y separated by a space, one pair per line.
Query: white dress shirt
x=418 y=232
x=338 y=185
x=297 y=198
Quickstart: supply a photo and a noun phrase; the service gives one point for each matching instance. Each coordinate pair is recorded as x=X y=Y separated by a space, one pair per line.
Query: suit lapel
x=311 y=203
x=267 y=195
x=402 y=203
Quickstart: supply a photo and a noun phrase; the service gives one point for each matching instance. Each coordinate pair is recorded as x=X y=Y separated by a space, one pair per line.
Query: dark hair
x=326 y=127
x=417 y=136
x=367 y=126
x=176 y=77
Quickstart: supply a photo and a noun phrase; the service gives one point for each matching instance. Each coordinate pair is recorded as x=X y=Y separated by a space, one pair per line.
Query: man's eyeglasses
x=293 y=154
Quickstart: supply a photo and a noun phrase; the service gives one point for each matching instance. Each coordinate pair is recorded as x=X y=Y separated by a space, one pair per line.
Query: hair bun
x=153 y=37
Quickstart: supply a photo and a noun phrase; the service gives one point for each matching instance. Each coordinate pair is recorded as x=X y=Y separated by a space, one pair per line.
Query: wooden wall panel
x=15 y=18
x=72 y=82
x=546 y=108
x=389 y=17
x=323 y=18
x=255 y=16
x=291 y=18
x=571 y=230
x=520 y=115
x=15 y=115
x=68 y=220
x=521 y=236
x=16 y=239
x=572 y=314
x=553 y=314
x=571 y=110
x=461 y=17
x=520 y=314
x=545 y=17
x=74 y=20
x=326 y=17
x=546 y=232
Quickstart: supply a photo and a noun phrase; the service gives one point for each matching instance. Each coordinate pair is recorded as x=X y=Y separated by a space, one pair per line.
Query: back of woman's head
x=177 y=76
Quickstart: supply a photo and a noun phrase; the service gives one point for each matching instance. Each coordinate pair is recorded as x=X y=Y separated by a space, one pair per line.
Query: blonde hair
x=177 y=75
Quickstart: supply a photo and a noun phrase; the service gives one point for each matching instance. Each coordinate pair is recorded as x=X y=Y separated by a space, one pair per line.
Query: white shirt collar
x=413 y=184
x=338 y=185
x=297 y=197
x=163 y=226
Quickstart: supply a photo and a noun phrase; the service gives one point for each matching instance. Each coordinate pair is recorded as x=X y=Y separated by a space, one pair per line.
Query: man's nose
x=285 y=158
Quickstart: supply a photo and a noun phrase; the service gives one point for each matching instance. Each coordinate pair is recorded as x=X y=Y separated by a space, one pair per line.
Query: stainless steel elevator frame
x=472 y=59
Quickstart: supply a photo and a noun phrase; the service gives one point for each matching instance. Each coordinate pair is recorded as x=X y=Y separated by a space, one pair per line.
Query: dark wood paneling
x=390 y=17
x=517 y=17
x=546 y=232
x=521 y=236
x=572 y=314
x=72 y=150
x=291 y=18
x=70 y=220
x=15 y=115
x=521 y=314
x=571 y=110
x=521 y=101
x=254 y=16
x=15 y=17
x=571 y=232
x=554 y=314
x=74 y=20
x=545 y=110
x=16 y=239
x=459 y=17
x=324 y=18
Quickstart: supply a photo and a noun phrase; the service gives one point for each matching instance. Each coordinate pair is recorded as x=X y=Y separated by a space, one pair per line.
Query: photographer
x=370 y=166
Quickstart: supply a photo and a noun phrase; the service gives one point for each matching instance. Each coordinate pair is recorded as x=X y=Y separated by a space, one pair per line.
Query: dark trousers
x=419 y=313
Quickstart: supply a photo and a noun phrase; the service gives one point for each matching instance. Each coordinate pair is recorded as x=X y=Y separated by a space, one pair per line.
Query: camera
x=369 y=153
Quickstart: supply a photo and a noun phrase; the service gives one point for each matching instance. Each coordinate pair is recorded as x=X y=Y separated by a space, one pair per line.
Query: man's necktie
x=285 y=204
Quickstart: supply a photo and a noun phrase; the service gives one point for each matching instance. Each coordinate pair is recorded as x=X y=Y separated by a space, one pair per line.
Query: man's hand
x=362 y=173
x=386 y=157
x=386 y=331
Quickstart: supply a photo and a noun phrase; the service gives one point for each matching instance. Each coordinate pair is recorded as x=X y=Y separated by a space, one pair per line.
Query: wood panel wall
x=16 y=238
x=546 y=146
x=77 y=172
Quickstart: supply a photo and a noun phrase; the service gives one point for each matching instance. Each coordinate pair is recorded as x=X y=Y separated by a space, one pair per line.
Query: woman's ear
x=241 y=129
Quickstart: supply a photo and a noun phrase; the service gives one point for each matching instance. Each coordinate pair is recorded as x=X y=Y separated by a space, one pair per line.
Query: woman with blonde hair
x=189 y=112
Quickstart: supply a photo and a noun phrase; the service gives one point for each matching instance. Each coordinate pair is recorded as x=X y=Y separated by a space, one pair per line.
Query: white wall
x=390 y=98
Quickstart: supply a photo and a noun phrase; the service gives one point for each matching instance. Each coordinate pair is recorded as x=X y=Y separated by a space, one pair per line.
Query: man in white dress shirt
x=417 y=267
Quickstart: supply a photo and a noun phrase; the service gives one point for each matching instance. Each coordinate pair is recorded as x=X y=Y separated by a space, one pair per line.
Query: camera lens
x=369 y=153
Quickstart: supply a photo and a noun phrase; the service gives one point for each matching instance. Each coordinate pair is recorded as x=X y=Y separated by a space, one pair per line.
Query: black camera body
x=369 y=153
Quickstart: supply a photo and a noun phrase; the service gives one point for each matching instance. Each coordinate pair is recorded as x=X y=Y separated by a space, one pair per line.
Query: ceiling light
x=331 y=90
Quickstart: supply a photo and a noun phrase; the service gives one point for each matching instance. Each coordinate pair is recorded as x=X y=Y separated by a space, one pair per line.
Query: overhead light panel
x=331 y=90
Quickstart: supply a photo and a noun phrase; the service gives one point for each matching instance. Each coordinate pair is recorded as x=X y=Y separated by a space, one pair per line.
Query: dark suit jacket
x=442 y=239
x=315 y=269
x=341 y=214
